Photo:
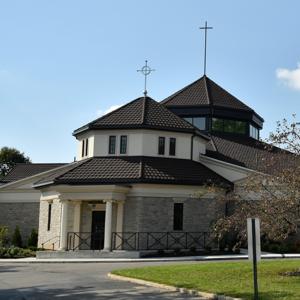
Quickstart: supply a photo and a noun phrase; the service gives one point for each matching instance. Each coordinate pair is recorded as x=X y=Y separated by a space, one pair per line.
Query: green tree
x=3 y=236
x=17 y=238
x=33 y=239
x=273 y=197
x=9 y=157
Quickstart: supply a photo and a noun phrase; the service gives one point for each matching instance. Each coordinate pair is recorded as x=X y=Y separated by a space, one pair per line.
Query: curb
x=205 y=295
x=135 y=260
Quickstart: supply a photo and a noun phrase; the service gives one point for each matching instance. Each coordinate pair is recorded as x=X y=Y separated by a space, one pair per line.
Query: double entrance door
x=98 y=224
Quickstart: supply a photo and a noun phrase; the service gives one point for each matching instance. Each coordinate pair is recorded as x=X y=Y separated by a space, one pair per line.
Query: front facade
x=144 y=173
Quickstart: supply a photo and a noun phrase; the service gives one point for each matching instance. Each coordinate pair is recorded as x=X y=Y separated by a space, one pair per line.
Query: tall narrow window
x=112 y=144
x=161 y=145
x=172 y=148
x=86 y=147
x=178 y=216
x=82 y=148
x=123 y=144
x=49 y=216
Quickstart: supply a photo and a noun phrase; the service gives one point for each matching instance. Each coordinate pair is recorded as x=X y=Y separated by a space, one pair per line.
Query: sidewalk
x=156 y=259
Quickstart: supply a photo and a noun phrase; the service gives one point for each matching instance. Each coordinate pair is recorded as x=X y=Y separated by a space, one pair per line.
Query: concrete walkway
x=75 y=281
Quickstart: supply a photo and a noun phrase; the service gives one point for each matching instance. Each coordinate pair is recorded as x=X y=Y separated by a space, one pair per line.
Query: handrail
x=55 y=237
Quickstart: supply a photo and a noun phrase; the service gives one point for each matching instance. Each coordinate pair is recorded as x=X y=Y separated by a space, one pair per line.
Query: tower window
x=112 y=144
x=253 y=132
x=123 y=144
x=199 y=122
x=86 y=147
x=178 y=216
x=172 y=148
x=161 y=145
x=230 y=126
x=82 y=148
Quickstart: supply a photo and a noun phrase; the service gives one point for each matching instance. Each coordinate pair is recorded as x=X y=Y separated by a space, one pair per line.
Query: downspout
x=192 y=145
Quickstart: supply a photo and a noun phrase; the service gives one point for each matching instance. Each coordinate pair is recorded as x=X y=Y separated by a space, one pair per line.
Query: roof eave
x=81 y=130
x=37 y=185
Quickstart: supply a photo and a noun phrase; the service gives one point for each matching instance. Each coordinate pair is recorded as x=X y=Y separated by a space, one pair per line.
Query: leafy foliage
x=3 y=236
x=273 y=197
x=9 y=157
x=33 y=239
x=15 y=252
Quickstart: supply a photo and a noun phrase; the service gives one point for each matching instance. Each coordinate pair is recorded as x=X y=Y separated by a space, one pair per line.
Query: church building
x=144 y=173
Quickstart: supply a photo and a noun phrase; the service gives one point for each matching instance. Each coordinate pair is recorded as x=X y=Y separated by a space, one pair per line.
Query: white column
x=108 y=226
x=77 y=216
x=120 y=212
x=76 y=224
x=119 y=225
x=64 y=226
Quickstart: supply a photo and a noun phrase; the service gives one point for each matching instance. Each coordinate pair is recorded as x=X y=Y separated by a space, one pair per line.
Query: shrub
x=33 y=239
x=17 y=238
x=3 y=236
x=15 y=252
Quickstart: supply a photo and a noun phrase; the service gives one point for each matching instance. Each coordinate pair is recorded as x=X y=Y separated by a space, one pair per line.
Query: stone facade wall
x=51 y=236
x=24 y=214
x=156 y=214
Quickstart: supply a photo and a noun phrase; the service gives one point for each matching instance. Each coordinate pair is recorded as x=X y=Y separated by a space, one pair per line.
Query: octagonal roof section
x=207 y=94
x=141 y=113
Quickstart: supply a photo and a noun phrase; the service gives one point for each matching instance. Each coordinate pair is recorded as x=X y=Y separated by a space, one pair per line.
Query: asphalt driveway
x=73 y=281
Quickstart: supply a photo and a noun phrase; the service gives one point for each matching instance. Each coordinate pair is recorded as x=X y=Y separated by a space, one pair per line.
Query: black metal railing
x=52 y=241
x=85 y=240
x=137 y=241
x=161 y=240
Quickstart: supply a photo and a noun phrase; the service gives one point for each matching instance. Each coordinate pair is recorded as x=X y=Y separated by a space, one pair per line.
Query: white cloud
x=291 y=78
x=106 y=111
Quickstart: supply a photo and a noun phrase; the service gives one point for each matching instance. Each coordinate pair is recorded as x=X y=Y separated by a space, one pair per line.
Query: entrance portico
x=88 y=216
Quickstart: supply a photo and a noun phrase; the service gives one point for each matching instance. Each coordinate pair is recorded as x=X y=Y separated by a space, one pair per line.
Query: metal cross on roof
x=145 y=70
x=205 y=45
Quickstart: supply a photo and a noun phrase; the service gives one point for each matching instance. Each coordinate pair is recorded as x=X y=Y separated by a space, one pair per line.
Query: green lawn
x=227 y=278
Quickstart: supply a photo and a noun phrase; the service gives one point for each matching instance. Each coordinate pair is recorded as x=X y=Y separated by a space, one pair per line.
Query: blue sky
x=62 y=63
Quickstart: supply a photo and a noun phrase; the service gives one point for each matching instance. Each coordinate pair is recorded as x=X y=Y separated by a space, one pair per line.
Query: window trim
x=161 y=138
x=110 y=138
x=121 y=144
x=170 y=143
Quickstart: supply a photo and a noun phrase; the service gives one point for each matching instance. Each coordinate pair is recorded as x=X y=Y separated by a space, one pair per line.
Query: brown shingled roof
x=140 y=113
x=249 y=153
x=20 y=171
x=134 y=169
x=205 y=92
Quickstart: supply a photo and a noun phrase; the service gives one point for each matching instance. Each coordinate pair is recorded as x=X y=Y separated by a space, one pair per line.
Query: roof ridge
x=106 y=115
x=75 y=164
x=209 y=99
x=213 y=82
x=166 y=100
x=144 y=109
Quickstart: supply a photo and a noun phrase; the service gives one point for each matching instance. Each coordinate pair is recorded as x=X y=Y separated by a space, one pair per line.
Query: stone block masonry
x=23 y=214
